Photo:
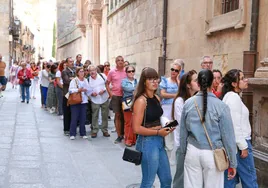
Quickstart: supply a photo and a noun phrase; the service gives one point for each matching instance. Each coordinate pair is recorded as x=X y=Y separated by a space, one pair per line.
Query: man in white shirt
x=99 y=100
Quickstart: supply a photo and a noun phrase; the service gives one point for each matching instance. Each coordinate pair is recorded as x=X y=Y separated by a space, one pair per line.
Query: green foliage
x=54 y=41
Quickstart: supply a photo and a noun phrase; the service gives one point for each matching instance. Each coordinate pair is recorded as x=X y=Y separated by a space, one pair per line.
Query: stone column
x=89 y=42
x=96 y=24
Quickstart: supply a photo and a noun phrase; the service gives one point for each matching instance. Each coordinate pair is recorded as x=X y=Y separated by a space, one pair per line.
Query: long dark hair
x=53 y=68
x=146 y=73
x=183 y=91
x=205 y=79
x=231 y=76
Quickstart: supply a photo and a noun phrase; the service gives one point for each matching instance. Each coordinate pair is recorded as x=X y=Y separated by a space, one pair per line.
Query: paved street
x=35 y=154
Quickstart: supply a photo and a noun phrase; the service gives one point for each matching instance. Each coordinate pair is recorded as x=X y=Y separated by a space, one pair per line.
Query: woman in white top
x=45 y=83
x=188 y=87
x=78 y=111
x=234 y=83
x=59 y=88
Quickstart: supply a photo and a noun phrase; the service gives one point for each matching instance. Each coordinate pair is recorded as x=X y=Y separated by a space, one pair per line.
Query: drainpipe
x=165 y=14
x=254 y=28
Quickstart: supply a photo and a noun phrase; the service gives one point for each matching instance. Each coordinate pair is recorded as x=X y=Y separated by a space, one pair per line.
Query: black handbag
x=131 y=155
x=27 y=83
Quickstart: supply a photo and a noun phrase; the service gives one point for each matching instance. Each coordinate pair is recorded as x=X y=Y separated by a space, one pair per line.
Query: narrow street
x=35 y=154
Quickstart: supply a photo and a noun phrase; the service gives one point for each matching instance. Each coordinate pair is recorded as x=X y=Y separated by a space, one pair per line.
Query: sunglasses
x=152 y=80
x=208 y=62
x=131 y=71
x=106 y=65
x=176 y=70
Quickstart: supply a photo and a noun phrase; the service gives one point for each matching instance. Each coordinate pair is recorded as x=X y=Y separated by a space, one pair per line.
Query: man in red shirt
x=115 y=77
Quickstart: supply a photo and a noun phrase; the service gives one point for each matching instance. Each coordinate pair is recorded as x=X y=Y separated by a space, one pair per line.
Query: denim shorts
x=3 y=80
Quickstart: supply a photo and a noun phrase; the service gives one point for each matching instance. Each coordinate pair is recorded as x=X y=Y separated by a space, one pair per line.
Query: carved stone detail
x=262 y=72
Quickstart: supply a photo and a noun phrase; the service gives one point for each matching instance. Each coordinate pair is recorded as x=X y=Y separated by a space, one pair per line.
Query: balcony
x=14 y=29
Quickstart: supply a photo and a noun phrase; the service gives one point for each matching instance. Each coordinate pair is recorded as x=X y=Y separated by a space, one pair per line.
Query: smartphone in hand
x=172 y=124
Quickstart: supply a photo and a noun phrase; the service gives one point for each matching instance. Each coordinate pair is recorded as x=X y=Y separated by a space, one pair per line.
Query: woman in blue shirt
x=128 y=85
x=168 y=91
x=199 y=164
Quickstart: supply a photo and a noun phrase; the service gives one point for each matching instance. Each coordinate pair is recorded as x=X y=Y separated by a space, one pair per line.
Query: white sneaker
x=1 y=95
x=85 y=137
x=72 y=137
x=61 y=117
x=52 y=110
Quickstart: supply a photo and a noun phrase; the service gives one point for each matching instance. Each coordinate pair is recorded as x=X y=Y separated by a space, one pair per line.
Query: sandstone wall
x=187 y=37
x=69 y=38
x=263 y=31
x=4 y=33
x=134 y=31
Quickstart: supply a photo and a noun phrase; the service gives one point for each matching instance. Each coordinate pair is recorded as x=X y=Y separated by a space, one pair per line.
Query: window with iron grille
x=229 y=5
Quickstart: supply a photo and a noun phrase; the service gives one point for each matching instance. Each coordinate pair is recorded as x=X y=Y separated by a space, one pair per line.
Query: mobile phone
x=172 y=124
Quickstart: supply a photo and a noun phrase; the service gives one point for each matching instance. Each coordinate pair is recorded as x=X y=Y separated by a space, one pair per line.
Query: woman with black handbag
x=146 y=123
x=24 y=76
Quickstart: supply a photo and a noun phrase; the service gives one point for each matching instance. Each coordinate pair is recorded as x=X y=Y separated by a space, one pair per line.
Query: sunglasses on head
x=130 y=71
x=176 y=70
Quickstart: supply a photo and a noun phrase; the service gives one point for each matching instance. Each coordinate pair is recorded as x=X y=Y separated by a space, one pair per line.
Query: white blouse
x=81 y=84
x=178 y=106
x=240 y=118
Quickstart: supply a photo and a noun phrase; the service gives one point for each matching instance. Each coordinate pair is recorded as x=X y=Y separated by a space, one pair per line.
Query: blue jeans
x=154 y=161
x=78 y=114
x=245 y=171
x=25 y=89
x=44 y=93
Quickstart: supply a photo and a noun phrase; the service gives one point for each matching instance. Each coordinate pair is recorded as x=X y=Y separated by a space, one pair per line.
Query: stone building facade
x=135 y=31
x=156 y=32
x=81 y=29
x=4 y=32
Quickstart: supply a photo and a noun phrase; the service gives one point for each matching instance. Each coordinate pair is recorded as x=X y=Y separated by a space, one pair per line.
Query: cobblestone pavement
x=35 y=154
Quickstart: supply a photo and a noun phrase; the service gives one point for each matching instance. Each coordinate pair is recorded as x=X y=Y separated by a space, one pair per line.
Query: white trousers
x=200 y=169
x=169 y=139
x=33 y=87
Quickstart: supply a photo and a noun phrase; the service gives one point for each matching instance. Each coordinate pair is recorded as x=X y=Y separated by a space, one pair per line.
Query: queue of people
x=206 y=104
x=210 y=115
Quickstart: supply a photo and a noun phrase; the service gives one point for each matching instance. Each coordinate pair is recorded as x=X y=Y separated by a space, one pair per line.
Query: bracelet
x=157 y=132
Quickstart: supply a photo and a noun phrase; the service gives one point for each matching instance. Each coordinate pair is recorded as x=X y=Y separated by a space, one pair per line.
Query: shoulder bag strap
x=144 y=119
x=76 y=81
x=102 y=77
x=203 y=124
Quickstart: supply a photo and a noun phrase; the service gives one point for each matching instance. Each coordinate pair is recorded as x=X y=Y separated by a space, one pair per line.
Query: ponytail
x=205 y=79
x=205 y=97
